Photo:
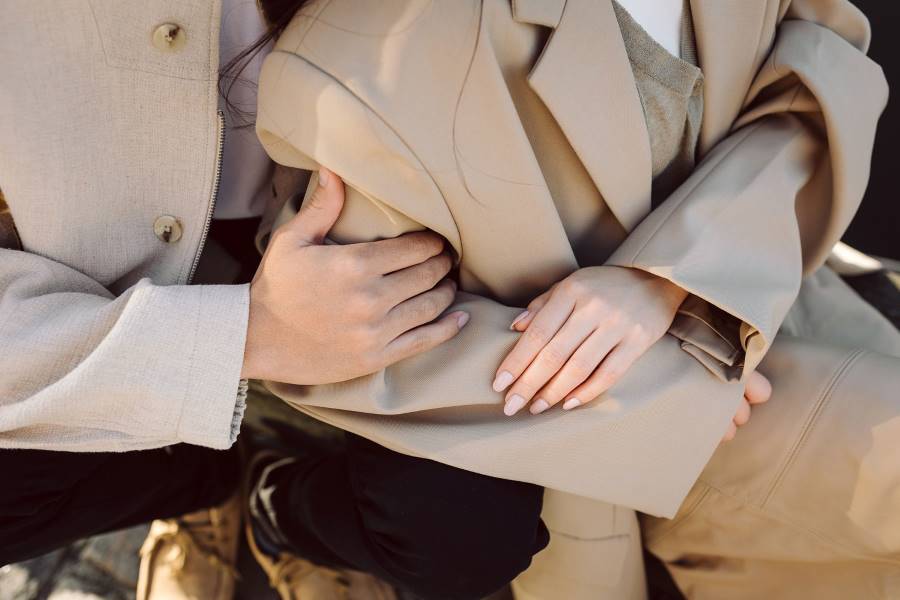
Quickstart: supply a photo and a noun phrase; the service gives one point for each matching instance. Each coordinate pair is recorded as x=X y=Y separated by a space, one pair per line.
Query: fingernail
x=462 y=319
x=502 y=381
x=539 y=407
x=518 y=319
x=324 y=176
x=571 y=403
x=513 y=405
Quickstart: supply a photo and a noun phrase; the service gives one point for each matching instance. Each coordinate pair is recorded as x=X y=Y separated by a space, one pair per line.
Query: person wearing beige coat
x=517 y=132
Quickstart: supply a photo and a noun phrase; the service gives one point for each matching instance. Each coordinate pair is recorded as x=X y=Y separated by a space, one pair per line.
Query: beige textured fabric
x=101 y=133
x=671 y=93
x=803 y=505
x=465 y=118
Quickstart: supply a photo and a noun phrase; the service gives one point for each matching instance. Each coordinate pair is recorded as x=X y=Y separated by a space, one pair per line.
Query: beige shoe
x=192 y=557
x=297 y=579
x=294 y=578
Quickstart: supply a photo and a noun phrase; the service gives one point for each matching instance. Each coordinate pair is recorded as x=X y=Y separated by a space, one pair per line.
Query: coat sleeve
x=84 y=370
x=439 y=404
x=769 y=201
x=388 y=193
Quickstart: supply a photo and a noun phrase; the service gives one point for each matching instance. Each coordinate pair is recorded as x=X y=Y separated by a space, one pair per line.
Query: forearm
x=86 y=371
x=769 y=201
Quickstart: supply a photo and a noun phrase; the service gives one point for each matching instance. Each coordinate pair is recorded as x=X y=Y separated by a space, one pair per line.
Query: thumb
x=320 y=211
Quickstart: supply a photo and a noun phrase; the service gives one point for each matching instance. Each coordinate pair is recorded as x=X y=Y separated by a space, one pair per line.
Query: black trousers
x=437 y=531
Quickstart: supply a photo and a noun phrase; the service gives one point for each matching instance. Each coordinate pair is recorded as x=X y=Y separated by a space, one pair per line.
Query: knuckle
x=348 y=264
x=423 y=244
x=570 y=286
x=579 y=367
x=279 y=241
x=366 y=305
x=641 y=334
x=552 y=356
x=535 y=334
x=366 y=337
x=431 y=304
x=441 y=265
x=418 y=342
x=608 y=375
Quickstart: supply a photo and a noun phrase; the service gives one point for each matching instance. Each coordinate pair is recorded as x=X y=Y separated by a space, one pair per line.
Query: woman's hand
x=583 y=334
x=757 y=390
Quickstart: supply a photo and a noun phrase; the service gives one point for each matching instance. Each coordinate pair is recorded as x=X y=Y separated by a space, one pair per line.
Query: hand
x=328 y=313
x=583 y=334
x=756 y=391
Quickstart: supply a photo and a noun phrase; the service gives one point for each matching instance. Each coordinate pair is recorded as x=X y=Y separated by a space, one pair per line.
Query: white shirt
x=660 y=18
x=246 y=168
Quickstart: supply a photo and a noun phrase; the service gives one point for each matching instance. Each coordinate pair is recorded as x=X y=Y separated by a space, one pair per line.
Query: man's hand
x=328 y=313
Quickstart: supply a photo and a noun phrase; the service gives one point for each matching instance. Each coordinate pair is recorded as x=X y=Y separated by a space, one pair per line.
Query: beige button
x=168 y=229
x=169 y=37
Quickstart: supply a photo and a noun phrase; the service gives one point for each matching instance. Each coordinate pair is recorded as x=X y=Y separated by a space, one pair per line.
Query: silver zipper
x=217 y=177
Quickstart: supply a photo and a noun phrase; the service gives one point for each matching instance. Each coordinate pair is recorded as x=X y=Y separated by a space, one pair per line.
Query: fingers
x=729 y=435
x=420 y=309
x=613 y=367
x=742 y=416
x=521 y=322
x=424 y=338
x=320 y=211
x=387 y=256
x=417 y=279
x=542 y=329
x=758 y=388
x=577 y=369
x=549 y=360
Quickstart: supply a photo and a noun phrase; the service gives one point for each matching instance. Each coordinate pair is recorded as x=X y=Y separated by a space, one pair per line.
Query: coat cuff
x=216 y=395
x=712 y=336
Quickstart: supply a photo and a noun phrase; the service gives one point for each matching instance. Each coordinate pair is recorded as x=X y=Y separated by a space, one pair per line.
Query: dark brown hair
x=277 y=14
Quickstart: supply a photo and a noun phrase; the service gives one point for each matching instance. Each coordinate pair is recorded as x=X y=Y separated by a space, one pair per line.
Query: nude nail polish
x=516 y=321
x=571 y=403
x=539 y=407
x=324 y=176
x=513 y=405
x=502 y=381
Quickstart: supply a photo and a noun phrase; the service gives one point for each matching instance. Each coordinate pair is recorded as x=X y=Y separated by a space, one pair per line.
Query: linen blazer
x=484 y=120
x=102 y=133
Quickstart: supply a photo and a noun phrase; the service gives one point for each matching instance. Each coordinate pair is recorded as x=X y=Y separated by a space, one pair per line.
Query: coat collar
x=602 y=103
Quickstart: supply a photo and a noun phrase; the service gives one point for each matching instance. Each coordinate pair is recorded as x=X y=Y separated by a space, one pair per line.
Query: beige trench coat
x=474 y=119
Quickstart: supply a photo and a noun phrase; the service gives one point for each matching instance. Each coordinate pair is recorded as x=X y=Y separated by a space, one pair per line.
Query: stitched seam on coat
x=684 y=197
x=848 y=553
x=812 y=419
x=578 y=538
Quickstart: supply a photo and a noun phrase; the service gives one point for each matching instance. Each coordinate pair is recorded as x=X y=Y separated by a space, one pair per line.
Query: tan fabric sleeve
x=769 y=201
x=83 y=370
x=440 y=404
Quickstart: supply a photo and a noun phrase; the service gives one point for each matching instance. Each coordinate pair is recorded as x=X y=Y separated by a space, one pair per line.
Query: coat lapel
x=728 y=47
x=584 y=78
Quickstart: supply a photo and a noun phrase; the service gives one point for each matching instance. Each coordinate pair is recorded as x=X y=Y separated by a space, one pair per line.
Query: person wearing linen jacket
x=479 y=120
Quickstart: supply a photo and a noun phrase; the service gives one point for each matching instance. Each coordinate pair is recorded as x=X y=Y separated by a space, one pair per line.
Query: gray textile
x=671 y=91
